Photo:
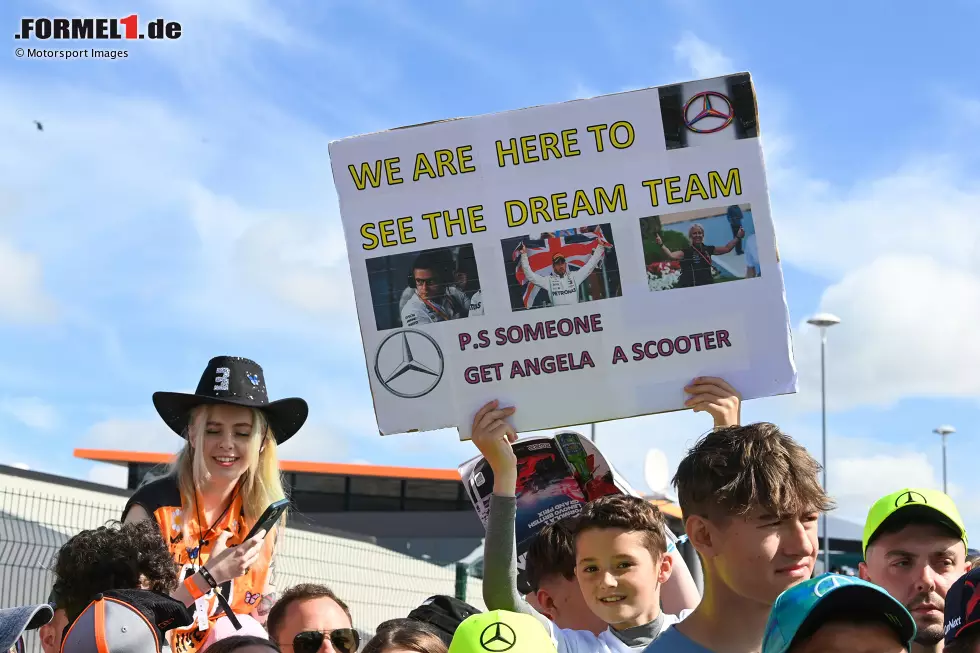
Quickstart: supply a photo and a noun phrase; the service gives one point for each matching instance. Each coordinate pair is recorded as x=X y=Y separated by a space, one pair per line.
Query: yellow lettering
x=597 y=130
x=539 y=207
x=475 y=215
x=392 y=170
x=549 y=143
x=569 y=141
x=618 y=198
x=715 y=183
x=387 y=228
x=444 y=161
x=582 y=203
x=558 y=205
x=511 y=204
x=405 y=230
x=431 y=217
x=528 y=147
x=464 y=156
x=614 y=135
x=367 y=176
x=422 y=166
x=652 y=185
x=673 y=189
x=695 y=187
x=368 y=234
x=510 y=151
x=457 y=222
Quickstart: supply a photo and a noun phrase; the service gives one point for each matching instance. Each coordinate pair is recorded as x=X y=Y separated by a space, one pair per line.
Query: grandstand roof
x=338 y=469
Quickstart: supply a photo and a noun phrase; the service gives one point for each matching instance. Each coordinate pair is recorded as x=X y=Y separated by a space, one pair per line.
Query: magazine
x=555 y=477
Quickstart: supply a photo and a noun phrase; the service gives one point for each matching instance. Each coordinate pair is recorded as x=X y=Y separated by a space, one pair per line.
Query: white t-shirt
x=584 y=641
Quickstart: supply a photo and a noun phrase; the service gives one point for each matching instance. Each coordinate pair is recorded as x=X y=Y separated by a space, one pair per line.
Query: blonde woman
x=217 y=488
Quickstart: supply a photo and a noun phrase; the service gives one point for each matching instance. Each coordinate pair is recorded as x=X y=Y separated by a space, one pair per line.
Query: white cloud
x=23 y=298
x=132 y=434
x=704 y=59
x=907 y=326
x=112 y=475
x=31 y=411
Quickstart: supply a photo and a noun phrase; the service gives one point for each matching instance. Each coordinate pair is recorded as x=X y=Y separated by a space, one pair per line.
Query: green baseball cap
x=930 y=504
x=802 y=609
x=500 y=631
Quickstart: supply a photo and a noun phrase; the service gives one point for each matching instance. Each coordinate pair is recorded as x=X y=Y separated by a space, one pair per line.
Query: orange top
x=338 y=469
x=191 y=546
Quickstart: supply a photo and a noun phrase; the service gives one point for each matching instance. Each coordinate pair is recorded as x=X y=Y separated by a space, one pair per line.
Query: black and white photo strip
x=562 y=267
x=700 y=248
x=709 y=111
x=431 y=285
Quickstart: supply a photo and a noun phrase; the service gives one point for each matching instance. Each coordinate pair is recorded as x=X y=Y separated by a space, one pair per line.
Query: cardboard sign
x=582 y=261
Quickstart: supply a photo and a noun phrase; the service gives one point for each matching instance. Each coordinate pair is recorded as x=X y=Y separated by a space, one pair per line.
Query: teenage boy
x=750 y=497
x=620 y=553
x=915 y=548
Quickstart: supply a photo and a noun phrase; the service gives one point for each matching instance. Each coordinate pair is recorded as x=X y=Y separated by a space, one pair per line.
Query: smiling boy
x=621 y=558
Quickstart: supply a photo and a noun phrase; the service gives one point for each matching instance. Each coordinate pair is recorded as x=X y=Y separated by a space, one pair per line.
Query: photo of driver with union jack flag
x=562 y=267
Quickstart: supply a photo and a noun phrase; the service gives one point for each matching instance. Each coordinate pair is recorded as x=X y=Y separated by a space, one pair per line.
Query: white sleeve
x=532 y=276
x=411 y=317
x=476 y=303
x=576 y=641
x=583 y=272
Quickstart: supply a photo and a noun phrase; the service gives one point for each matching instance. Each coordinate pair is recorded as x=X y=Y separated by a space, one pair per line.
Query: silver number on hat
x=221 y=381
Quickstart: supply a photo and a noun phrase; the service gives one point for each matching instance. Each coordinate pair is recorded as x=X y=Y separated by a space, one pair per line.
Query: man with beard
x=435 y=298
x=915 y=548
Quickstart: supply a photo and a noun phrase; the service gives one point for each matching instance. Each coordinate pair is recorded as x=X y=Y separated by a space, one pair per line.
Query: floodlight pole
x=824 y=321
x=943 y=431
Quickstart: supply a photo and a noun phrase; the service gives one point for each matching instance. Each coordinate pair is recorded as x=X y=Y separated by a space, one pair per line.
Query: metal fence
x=377 y=584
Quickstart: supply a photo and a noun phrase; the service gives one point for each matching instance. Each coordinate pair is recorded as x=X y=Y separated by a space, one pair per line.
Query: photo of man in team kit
x=424 y=287
x=561 y=268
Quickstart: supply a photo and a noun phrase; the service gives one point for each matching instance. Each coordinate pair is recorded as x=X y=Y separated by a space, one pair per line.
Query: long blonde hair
x=261 y=484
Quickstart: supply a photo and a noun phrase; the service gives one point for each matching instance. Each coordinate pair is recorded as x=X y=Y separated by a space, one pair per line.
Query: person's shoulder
x=159 y=493
x=577 y=641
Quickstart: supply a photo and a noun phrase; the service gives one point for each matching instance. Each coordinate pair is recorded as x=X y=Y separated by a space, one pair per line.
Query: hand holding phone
x=268 y=518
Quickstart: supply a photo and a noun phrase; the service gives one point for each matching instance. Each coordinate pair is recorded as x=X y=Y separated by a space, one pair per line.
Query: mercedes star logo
x=708 y=112
x=832 y=582
x=909 y=497
x=409 y=363
x=498 y=637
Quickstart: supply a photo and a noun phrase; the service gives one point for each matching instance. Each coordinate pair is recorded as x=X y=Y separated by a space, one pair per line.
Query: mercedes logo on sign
x=498 y=637
x=708 y=118
x=409 y=363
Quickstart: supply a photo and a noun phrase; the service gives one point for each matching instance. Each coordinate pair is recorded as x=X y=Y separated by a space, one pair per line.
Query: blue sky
x=179 y=205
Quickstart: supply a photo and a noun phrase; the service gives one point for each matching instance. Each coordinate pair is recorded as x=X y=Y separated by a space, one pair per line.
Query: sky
x=179 y=205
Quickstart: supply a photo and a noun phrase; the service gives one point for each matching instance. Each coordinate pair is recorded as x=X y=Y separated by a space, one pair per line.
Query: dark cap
x=444 y=614
x=125 y=621
x=962 y=606
x=15 y=621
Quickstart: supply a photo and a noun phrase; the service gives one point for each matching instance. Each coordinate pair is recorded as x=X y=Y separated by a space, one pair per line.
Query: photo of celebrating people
x=700 y=248
x=432 y=285
x=563 y=267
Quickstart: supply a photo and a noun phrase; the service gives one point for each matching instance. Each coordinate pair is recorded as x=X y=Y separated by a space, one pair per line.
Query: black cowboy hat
x=237 y=382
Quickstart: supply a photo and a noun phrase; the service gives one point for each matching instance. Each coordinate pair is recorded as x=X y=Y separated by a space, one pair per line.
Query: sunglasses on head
x=344 y=640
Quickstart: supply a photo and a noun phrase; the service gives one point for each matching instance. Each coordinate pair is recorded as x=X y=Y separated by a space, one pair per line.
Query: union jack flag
x=576 y=245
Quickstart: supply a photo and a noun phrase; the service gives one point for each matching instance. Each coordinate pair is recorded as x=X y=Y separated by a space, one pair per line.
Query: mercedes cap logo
x=832 y=582
x=708 y=110
x=910 y=497
x=409 y=363
x=498 y=637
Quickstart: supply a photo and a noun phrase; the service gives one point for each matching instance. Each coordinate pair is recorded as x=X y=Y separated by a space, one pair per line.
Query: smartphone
x=269 y=518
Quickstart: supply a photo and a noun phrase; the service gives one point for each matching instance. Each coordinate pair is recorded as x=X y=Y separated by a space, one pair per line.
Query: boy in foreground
x=621 y=557
x=750 y=497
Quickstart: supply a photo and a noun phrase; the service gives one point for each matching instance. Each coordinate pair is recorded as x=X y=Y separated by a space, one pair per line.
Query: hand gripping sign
x=582 y=261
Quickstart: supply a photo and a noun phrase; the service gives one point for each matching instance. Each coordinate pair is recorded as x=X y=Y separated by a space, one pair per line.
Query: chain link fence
x=376 y=583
